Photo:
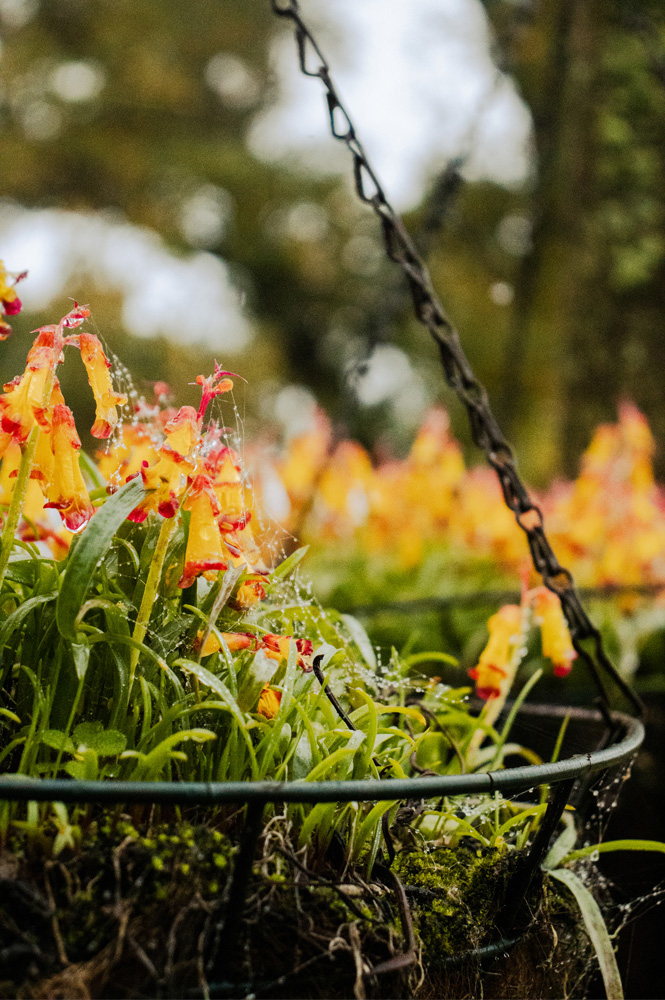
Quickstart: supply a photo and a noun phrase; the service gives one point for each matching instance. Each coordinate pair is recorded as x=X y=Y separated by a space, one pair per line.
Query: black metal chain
x=459 y=375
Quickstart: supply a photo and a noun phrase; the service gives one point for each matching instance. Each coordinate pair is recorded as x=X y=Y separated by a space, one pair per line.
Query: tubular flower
x=66 y=491
x=23 y=401
x=277 y=648
x=250 y=592
x=269 y=702
x=183 y=431
x=556 y=641
x=204 y=542
x=163 y=481
x=106 y=400
x=234 y=641
x=33 y=508
x=496 y=666
x=127 y=456
x=10 y=304
x=223 y=466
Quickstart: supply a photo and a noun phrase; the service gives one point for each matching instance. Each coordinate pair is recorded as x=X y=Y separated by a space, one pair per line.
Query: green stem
x=70 y=721
x=18 y=500
x=149 y=594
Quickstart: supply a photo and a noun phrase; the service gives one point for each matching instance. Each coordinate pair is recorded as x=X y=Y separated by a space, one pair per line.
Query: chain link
x=430 y=313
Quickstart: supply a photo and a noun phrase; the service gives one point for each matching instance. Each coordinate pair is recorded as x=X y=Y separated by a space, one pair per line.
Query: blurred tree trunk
x=589 y=305
x=554 y=55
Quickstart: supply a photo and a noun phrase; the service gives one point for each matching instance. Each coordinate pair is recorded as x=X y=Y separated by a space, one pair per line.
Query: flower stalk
x=149 y=594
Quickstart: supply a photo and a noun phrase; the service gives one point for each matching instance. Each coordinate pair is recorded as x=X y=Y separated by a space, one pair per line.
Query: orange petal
x=269 y=702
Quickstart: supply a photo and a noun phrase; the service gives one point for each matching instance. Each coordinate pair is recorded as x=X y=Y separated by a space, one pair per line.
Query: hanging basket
x=231 y=953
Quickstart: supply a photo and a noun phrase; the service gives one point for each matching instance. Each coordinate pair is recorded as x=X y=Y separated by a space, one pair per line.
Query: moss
x=160 y=892
x=456 y=895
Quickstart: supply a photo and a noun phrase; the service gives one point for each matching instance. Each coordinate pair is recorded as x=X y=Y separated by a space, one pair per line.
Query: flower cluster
x=275 y=647
x=607 y=526
x=508 y=630
x=398 y=507
x=35 y=420
x=609 y=523
x=186 y=466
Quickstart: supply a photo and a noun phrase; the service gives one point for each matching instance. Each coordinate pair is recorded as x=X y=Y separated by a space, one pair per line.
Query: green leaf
x=330 y=763
x=110 y=743
x=16 y=619
x=81 y=657
x=23 y=571
x=90 y=548
x=615 y=845
x=85 y=732
x=432 y=657
x=75 y=769
x=596 y=929
x=154 y=762
x=361 y=639
x=57 y=740
x=563 y=844
x=290 y=564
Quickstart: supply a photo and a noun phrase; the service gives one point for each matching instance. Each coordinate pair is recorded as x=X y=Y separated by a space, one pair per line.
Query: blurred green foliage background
x=140 y=113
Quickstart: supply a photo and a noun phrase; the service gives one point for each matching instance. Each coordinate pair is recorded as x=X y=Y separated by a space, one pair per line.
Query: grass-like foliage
x=147 y=635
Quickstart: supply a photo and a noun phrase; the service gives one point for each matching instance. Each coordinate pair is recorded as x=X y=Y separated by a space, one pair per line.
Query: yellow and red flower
x=269 y=701
x=66 y=490
x=250 y=592
x=496 y=666
x=205 y=548
x=106 y=399
x=183 y=431
x=556 y=641
x=23 y=402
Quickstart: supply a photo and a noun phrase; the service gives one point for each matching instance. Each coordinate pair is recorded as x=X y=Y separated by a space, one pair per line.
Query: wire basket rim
x=192 y=793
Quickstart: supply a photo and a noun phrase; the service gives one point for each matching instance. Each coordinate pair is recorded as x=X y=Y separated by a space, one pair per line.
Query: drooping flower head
x=496 y=665
x=556 y=641
x=499 y=661
x=106 y=400
x=67 y=491
x=33 y=402
x=205 y=548
x=269 y=701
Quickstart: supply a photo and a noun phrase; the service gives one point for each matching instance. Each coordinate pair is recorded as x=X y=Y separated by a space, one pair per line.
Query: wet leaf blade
x=89 y=549
x=596 y=929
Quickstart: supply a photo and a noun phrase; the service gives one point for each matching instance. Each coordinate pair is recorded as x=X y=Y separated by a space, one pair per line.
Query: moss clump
x=456 y=895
